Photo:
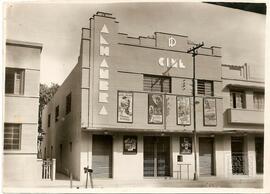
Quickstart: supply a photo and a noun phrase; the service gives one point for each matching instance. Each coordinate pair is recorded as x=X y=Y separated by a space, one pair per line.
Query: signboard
x=130 y=144
x=155 y=108
x=185 y=145
x=104 y=52
x=209 y=110
x=183 y=110
x=125 y=107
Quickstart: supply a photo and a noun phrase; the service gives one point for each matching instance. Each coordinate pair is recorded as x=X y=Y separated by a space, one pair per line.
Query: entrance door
x=102 y=156
x=259 y=154
x=206 y=156
x=156 y=156
x=238 y=159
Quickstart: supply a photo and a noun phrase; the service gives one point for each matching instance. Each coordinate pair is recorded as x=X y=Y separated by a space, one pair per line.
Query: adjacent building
x=126 y=110
x=22 y=72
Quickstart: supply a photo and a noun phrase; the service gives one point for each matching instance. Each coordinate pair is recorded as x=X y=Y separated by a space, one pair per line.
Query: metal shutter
x=102 y=156
x=206 y=156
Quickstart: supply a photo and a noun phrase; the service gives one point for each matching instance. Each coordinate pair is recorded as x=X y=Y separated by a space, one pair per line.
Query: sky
x=57 y=26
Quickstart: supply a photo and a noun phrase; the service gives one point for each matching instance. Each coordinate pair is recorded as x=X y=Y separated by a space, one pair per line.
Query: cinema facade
x=126 y=110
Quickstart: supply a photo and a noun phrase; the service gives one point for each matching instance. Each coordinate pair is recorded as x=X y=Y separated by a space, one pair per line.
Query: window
x=14 y=81
x=205 y=87
x=68 y=103
x=49 y=120
x=156 y=83
x=258 y=100
x=12 y=136
x=237 y=99
x=57 y=113
x=70 y=146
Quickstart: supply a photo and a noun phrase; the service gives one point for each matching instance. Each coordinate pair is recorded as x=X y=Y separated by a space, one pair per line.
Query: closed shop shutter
x=149 y=156
x=206 y=156
x=102 y=156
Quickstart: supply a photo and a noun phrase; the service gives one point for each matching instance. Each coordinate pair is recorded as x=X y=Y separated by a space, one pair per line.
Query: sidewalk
x=63 y=182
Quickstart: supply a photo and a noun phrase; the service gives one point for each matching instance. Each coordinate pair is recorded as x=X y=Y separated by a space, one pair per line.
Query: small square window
x=68 y=103
x=14 y=81
x=258 y=100
x=12 y=136
x=49 y=120
x=155 y=83
x=57 y=113
x=205 y=87
x=237 y=99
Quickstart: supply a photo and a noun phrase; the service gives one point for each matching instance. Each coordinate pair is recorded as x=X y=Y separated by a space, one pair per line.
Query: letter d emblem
x=172 y=42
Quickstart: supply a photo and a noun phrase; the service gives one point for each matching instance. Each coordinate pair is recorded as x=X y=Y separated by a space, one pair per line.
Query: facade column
x=86 y=153
x=227 y=156
x=251 y=155
x=219 y=149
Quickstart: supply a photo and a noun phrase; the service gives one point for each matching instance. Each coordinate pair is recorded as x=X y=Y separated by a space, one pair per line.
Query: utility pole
x=194 y=51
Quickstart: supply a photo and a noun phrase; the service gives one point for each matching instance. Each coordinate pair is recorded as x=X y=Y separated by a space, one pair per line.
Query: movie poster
x=155 y=108
x=183 y=110
x=209 y=109
x=185 y=145
x=125 y=107
x=130 y=144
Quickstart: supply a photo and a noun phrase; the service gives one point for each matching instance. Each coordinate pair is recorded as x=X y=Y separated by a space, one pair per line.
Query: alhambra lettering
x=104 y=50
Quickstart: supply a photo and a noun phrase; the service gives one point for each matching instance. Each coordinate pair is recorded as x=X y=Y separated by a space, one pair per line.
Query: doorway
x=259 y=154
x=102 y=156
x=206 y=156
x=156 y=156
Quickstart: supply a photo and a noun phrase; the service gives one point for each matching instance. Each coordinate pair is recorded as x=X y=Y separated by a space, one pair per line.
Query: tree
x=46 y=93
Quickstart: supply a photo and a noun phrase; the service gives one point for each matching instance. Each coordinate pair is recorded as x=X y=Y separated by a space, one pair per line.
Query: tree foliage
x=45 y=95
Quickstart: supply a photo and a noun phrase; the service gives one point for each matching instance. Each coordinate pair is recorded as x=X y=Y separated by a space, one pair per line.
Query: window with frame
x=56 y=113
x=12 y=136
x=258 y=100
x=49 y=120
x=205 y=87
x=14 y=81
x=68 y=103
x=238 y=99
x=153 y=83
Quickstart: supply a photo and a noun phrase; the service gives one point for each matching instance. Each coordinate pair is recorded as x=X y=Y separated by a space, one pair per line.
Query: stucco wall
x=127 y=62
x=67 y=130
x=127 y=166
x=15 y=107
x=22 y=165
x=21 y=168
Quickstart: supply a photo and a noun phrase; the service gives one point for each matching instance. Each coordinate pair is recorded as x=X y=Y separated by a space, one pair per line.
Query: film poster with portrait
x=183 y=110
x=125 y=107
x=155 y=108
x=209 y=109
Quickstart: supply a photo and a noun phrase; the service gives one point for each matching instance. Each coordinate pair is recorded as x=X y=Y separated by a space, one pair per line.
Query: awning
x=246 y=86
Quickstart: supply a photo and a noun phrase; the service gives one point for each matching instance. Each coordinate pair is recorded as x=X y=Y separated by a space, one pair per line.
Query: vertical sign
x=209 y=110
x=155 y=108
x=183 y=110
x=125 y=107
x=104 y=51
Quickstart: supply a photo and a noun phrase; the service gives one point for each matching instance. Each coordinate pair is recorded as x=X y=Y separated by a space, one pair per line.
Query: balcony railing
x=244 y=116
